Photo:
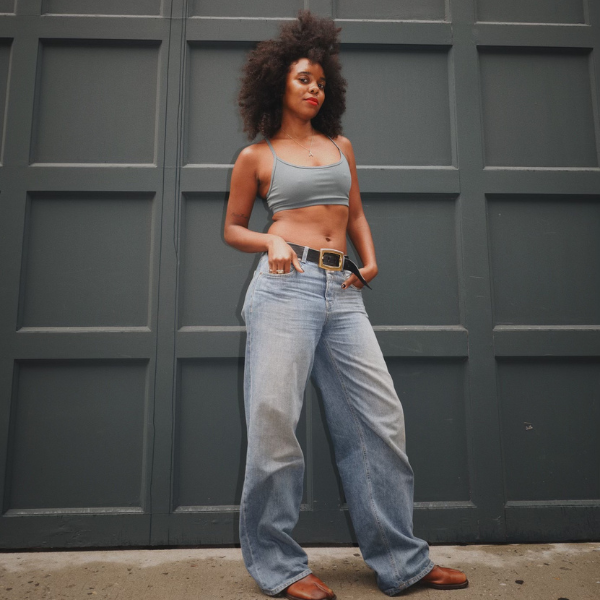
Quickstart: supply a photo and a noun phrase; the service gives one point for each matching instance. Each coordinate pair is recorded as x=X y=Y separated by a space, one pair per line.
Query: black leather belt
x=330 y=260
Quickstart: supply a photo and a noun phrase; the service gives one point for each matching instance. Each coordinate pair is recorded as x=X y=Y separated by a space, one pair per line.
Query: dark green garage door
x=476 y=127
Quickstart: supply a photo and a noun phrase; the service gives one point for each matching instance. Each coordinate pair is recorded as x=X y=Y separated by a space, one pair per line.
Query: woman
x=305 y=315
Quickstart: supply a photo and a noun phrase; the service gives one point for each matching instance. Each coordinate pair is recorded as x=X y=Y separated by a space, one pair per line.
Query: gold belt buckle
x=339 y=254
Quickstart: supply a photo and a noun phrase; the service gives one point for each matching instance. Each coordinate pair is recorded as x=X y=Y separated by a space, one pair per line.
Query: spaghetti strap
x=273 y=169
x=272 y=149
x=341 y=153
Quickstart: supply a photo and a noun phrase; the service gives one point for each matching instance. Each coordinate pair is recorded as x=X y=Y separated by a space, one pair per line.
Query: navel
x=327 y=239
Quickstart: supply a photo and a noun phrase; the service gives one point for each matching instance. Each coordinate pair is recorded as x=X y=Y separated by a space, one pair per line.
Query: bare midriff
x=321 y=226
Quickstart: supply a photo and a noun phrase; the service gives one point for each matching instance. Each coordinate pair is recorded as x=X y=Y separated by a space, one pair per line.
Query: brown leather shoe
x=309 y=588
x=443 y=578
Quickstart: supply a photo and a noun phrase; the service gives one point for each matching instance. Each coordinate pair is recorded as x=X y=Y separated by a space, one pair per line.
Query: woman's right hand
x=281 y=256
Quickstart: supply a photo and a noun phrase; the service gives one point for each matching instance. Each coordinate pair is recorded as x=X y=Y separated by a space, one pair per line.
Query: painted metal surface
x=475 y=126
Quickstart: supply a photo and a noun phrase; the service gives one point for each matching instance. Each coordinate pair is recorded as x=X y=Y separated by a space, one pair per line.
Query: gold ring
x=279 y=271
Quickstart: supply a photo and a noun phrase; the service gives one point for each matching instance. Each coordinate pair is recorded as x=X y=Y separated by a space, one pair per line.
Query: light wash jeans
x=299 y=323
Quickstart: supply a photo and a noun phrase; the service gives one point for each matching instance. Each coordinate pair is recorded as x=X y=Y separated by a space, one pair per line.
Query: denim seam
x=365 y=463
x=287 y=584
x=396 y=590
x=243 y=508
x=326 y=302
x=243 y=513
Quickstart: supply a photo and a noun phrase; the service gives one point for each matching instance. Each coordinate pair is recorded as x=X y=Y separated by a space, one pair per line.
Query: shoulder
x=252 y=155
x=346 y=147
x=345 y=144
x=252 y=152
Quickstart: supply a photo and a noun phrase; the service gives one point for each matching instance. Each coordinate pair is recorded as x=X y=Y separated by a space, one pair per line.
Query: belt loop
x=304 y=254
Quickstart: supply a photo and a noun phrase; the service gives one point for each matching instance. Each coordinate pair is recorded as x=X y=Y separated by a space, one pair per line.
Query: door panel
x=475 y=127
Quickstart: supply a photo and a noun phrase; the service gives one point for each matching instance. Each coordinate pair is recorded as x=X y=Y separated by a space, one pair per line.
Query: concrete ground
x=532 y=571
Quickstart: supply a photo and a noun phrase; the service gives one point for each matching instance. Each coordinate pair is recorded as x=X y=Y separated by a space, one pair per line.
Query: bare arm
x=243 y=191
x=358 y=227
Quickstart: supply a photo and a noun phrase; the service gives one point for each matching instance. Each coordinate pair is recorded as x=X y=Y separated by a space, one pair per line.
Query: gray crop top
x=295 y=186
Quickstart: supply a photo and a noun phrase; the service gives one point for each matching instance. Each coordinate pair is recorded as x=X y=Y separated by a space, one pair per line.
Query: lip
x=312 y=101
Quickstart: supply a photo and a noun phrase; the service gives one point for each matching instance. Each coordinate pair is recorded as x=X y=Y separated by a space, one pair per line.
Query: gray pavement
x=520 y=571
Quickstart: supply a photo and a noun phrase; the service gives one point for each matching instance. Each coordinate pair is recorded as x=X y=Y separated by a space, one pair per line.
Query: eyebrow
x=309 y=73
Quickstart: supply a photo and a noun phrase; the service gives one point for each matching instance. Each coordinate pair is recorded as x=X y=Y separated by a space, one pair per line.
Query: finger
x=352 y=280
x=296 y=263
x=281 y=267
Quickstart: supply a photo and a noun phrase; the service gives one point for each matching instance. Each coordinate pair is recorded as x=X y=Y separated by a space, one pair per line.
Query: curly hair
x=265 y=75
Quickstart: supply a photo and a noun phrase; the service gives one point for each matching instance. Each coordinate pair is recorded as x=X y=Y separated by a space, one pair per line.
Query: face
x=305 y=88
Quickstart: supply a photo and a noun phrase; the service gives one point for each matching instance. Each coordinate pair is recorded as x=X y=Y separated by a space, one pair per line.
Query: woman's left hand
x=368 y=272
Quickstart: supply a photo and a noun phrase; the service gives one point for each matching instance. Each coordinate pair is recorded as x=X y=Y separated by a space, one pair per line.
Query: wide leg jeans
x=300 y=324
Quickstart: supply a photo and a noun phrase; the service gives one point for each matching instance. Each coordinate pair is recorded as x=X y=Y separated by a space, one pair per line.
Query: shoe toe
x=445 y=578
x=309 y=588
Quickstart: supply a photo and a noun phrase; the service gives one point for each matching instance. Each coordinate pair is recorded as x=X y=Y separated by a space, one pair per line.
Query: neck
x=298 y=128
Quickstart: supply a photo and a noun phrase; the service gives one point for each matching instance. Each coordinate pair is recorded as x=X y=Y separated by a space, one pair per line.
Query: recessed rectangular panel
x=531 y=11
x=86 y=260
x=101 y=7
x=210 y=433
x=213 y=275
x=537 y=108
x=7 y=6
x=398 y=105
x=96 y=102
x=77 y=432
x=214 y=126
x=234 y=8
x=210 y=437
x=550 y=415
x=545 y=254
x=432 y=393
x=417 y=258
x=422 y=10
x=4 y=68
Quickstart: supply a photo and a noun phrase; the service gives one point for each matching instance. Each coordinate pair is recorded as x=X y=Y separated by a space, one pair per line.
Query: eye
x=321 y=86
x=304 y=79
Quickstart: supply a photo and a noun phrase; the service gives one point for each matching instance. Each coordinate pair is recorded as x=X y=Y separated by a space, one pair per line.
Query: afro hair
x=265 y=75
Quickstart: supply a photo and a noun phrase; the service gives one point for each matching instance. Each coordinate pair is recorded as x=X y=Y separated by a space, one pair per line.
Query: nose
x=314 y=88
